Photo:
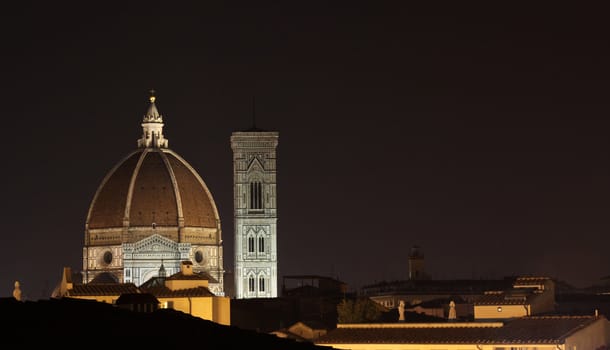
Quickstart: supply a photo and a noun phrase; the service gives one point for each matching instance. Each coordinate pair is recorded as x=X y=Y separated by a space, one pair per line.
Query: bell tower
x=255 y=213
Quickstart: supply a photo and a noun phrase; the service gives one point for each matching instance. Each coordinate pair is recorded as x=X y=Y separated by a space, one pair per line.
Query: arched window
x=256 y=195
x=250 y=244
x=251 y=284
x=261 y=284
x=261 y=244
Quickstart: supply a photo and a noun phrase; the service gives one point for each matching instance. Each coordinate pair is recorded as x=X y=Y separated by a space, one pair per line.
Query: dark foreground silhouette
x=83 y=323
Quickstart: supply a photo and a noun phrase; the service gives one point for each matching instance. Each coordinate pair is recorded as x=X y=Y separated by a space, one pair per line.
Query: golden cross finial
x=152 y=95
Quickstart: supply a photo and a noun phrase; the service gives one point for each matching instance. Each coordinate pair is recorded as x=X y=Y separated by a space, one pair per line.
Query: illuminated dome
x=151 y=210
x=152 y=187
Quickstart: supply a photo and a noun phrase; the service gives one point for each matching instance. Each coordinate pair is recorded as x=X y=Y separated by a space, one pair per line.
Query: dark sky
x=478 y=133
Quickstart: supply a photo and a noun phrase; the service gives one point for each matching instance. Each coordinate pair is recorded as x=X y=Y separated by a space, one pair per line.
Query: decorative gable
x=255 y=167
x=156 y=247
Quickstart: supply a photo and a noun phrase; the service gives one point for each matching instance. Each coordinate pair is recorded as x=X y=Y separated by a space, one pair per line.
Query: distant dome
x=151 y=190
x=152 y=209
x=152 y=187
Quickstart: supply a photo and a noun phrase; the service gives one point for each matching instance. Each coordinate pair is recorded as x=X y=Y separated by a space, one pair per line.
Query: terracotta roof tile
x=457 y=335
x=102 y=289
x=194 y=276
x=157 y=176
x=164 y=292
x=526 y=330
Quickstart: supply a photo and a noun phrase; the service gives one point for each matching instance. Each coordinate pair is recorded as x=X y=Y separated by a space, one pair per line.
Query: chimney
x=186 y=267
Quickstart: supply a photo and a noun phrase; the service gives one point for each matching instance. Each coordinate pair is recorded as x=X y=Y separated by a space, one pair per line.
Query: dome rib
x=153 y=201
x=172 y=177
x=132 y=181
x=103 y=202
x=188 y=195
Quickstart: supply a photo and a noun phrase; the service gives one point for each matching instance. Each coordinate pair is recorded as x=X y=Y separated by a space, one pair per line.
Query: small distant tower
x=255 y=210
x=416 y=264
x=162 y=272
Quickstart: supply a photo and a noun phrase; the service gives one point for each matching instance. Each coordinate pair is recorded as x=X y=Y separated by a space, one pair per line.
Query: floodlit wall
x=195 y=306
x=216 y=309
x=594 y=336
x=222 y=310
x=494 y=312
x=185 y=283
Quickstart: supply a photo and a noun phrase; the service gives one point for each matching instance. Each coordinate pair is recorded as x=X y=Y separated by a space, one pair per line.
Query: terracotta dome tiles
x=153 y=198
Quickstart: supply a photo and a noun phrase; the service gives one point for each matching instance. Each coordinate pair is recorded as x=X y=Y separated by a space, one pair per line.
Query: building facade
x=151 y=210
x=184 y=291
x=255 y=213
x=528 y=296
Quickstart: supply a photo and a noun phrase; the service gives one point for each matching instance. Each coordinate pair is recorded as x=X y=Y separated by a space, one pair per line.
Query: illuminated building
x=528 y=296
x=151 y=210
x=255 y=213
x=183 y=291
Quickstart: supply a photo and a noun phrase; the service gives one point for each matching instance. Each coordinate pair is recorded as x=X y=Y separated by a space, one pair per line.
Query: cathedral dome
x=152 y=189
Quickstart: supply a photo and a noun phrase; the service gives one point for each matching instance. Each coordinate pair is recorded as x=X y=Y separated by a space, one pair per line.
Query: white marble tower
x=255 y=211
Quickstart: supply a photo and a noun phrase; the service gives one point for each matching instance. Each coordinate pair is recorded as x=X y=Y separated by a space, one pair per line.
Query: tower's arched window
x=261 y=244
x=250 y=244
x=251 y=284
x=256 y=195
x=261 y=284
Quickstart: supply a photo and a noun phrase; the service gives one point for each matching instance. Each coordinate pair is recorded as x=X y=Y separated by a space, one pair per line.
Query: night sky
x=478 y=133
